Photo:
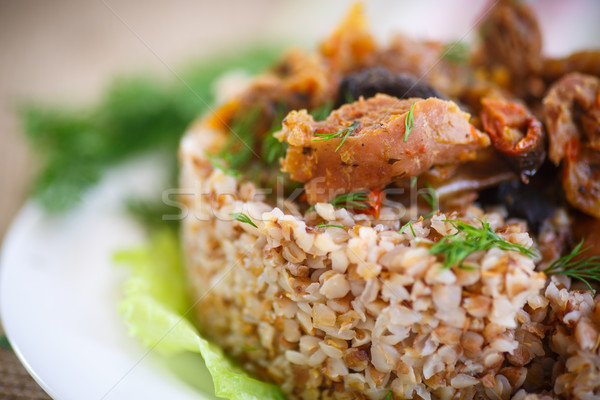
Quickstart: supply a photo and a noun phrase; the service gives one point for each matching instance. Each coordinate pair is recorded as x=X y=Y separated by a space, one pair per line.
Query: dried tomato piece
x=516 y=134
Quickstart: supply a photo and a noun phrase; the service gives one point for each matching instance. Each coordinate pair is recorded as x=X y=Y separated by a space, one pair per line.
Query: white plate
x=59 y=294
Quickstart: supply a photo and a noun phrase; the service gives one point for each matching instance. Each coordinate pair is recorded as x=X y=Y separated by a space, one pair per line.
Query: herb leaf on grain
x=324 y=225
x=389 y=396
x=135 y=114
x=583 y=269
x=243 y=218
x=406 y=225
x=355 y=200
x=409 y=122
x=469 y=239
x=342 y=132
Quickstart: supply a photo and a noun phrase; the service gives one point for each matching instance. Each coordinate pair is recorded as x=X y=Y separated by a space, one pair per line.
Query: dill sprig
x=239 y=148
x=470 y=239
x=344 y=133
x=355 y=200
x=75 y=145
x=322 y=112
x=431 y=198
x=323 y=225
x=457 y=52
x=272 y=148
x=241 y=217
x=409 y=122
x=583 y=269
x=406 y=225
x=220 y=164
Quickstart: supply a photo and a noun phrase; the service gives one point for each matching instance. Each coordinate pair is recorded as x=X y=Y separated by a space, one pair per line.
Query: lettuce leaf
x=155 y=308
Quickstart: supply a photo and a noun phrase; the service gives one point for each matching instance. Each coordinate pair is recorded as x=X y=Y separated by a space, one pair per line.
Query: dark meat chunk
x=516 y=134
x=572 y=114
x=534 y=202
x=369 y=82
x=377 y=150
x=512 y=39
x=586 y=62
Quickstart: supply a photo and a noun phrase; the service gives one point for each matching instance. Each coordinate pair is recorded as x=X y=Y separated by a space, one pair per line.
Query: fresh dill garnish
x=355 y=200
x=220 y=164
x=272 y=148
x=344 y=133
x=409 y=122
x=406 y=225
x=241 y=217
x=431 y=198
x=323 y=225
x=322 y=112
x=469 y=239
x=349 y=97
x=75 y=145
x=457 y=52
x=239 y=149
x=584 y=269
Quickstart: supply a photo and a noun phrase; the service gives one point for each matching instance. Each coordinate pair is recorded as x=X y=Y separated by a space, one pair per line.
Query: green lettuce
x=155 y=308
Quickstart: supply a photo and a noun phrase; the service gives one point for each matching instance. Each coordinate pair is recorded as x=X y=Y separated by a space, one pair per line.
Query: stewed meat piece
x=572 y=113
x=374 y=147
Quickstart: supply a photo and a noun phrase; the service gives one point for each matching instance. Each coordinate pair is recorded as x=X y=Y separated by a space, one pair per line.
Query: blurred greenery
x=134 y=114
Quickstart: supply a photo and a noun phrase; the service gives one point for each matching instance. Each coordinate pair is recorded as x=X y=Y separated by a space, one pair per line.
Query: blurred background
x=64 y=53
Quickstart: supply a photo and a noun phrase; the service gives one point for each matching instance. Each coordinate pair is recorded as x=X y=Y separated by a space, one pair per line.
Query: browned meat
x=427 y=61
x=586 y=62
x=516 y=134
x=581 y=181
x=376 y=153
x=572 y=113
x=512 y=39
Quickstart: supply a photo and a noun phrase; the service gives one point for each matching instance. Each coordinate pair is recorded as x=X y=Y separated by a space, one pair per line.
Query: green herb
x=356 y=200
x=431 y=198
x=4 y=343
x=272 y=148
x=220 y=164
x=413 y=182
x=457 y=52
x=583 y=269
x=469 y=239
x=322 y=112
x=323 y=225
x=349 y=97
x=409 y=122
x=76 y=145
x=406 y=225
x=150 y=213
x=343 y=132
x=389 y=396
x=239 y=149
x=241 y=217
